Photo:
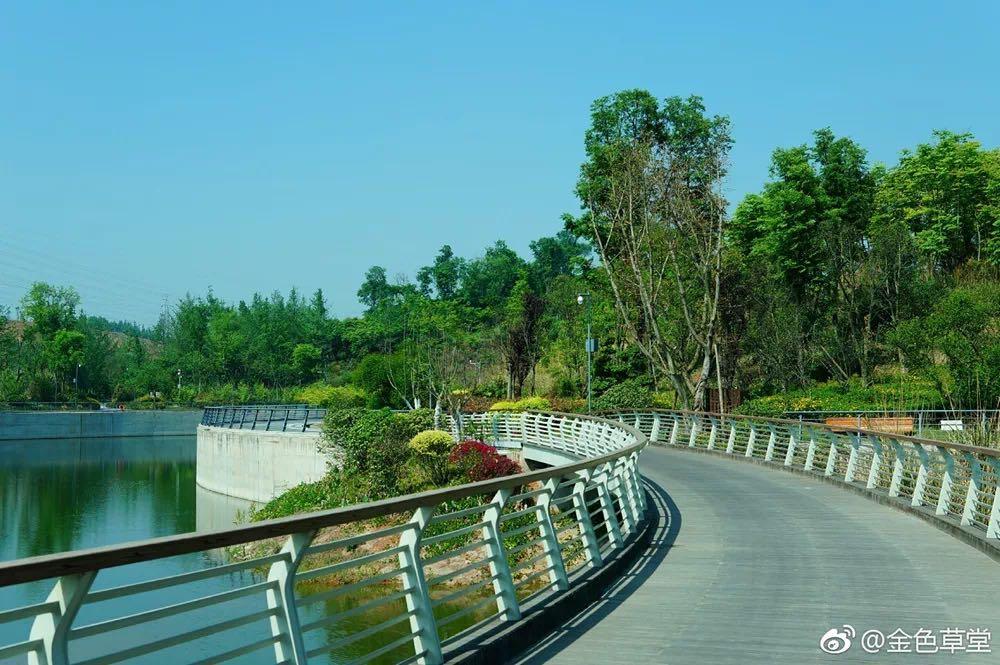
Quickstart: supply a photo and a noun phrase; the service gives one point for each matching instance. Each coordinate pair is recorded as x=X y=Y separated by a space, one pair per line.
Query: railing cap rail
x=66 y=563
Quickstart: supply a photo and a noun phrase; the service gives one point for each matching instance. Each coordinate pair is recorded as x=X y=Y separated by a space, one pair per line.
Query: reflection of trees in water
x=95 y=491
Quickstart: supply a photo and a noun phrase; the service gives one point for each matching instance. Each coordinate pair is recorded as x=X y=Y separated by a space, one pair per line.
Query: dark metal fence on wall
x=267 y=417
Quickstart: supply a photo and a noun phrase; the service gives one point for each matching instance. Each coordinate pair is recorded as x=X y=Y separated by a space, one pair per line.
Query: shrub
x=332 y=397
x=521 y=405
x=307 y=497
x=482 y=462
x=431 y=448
x=893 y=392
x=432 y=443
x=337 y=423
x=373 y=445
x=413 y=422
x=629 y=394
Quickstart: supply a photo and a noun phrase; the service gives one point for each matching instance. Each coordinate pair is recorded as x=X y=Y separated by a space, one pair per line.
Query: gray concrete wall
x=95 y=424
x=257 y=465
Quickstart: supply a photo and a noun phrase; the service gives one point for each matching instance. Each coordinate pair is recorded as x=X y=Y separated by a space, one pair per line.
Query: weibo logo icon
x=837 y=640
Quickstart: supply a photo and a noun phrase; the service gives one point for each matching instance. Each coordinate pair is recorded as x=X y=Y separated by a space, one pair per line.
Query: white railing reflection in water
x=958 y=483
x=388 y=580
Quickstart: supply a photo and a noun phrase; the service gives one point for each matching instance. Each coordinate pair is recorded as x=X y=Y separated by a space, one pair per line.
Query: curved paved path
x=753 y=565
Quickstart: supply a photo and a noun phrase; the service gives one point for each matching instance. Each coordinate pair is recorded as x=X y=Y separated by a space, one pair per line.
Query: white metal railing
x=389 y=580
x=957 y=483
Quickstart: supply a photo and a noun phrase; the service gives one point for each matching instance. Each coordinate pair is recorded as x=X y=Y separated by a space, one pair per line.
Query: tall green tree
x=810 y=228
x=653 y=209
x=443 y=277
x=947 y=193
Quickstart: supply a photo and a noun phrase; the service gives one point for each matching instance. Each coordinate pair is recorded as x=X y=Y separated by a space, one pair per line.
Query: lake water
x=68 y=494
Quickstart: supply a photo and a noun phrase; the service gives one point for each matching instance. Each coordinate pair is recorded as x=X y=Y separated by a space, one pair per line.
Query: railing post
x=852 y=461
x=876 y=466
x=285 y=624
x=695 y=428
x=418 y=600
x=284 y=423
x=897 y=468
x=713 y=433
x=587 y=534
x=608 y=507
x=731 y=443
x=771 y=439
x=993 y=526
x=53 y=629
x=270 y=417
x=750 y=440
x=243 y=416
x=810 y=451
x=503 y=581
x=972 y=496
x=550 y=541
x=920 y=486
x=625 y=492
x=674 y=429
x=654 y=433
x=831 y=458
x=947 y=480
x=635 y=480
x=790 y=453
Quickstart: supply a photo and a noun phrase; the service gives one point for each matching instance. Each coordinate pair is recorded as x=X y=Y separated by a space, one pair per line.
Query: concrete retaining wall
x=96 y=424
x=257 y=465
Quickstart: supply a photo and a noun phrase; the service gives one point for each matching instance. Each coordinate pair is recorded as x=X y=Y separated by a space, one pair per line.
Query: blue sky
x=153 y=149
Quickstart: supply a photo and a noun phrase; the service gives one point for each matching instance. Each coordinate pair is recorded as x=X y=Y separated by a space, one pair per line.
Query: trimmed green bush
x=630 y=394
x=432 y=443
x=525 y=404
x=432 y=448
x=332 y=397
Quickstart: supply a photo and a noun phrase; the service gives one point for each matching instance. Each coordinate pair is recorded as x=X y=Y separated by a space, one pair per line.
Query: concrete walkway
x=753 y=565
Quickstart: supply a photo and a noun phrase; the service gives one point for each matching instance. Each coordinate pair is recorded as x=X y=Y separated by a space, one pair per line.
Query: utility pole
x=590 y=346
x=178 y=380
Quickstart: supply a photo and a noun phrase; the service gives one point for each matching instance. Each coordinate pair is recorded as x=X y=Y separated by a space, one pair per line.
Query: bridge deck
x=752 y=564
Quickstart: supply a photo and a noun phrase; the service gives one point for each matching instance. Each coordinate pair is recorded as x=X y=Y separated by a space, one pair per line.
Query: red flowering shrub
x=482 y=462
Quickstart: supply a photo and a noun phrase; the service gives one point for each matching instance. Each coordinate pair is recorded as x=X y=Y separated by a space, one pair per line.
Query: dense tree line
x=837 y=270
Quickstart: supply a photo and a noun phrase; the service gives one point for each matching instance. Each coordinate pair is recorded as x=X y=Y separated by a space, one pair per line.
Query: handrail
x=905 y=438
x=953 y=483
x=522 y=543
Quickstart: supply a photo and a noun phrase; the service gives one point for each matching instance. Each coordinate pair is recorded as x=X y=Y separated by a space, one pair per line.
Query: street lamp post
x=582 y=298
x=178 y=380
x=76 y=380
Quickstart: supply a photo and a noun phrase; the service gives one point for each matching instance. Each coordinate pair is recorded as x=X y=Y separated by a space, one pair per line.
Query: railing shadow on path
x=666 y=527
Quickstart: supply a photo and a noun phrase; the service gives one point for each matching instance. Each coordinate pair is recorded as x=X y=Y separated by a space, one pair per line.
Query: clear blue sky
x=150 y=149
